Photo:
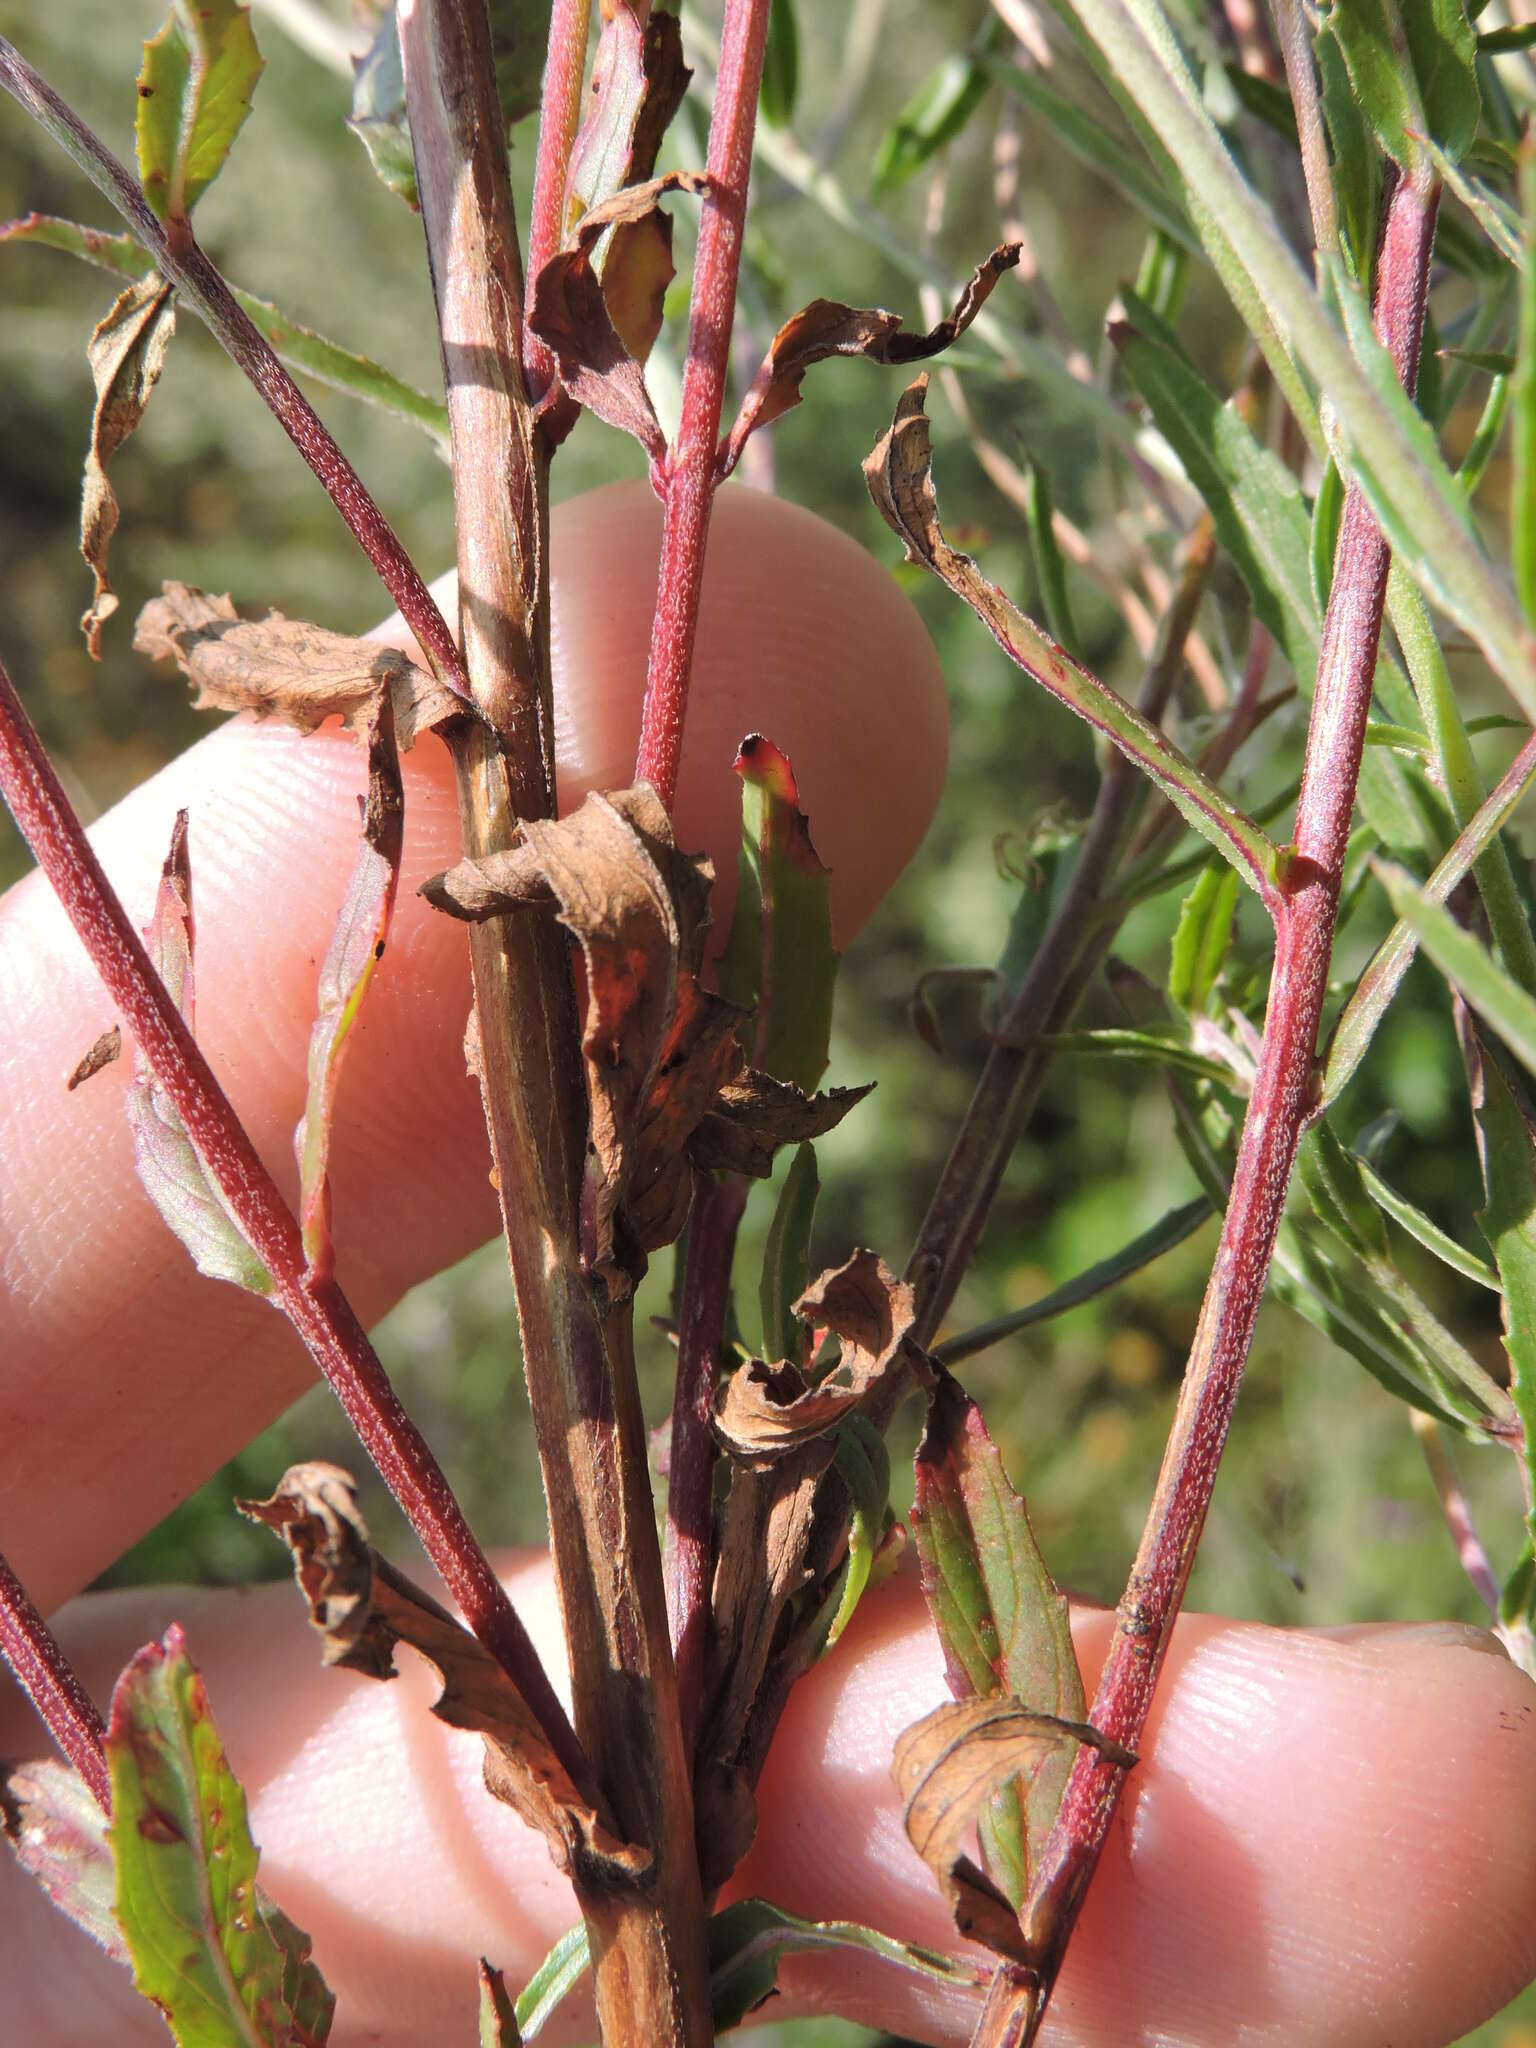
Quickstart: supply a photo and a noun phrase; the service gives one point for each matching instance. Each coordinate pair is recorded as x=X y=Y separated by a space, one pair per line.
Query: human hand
x=1328 y=1839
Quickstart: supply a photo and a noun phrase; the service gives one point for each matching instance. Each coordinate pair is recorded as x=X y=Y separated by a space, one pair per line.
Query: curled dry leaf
x=283 y=668
x=947 y=1767
x=826 y=328
x=356 y=948
x=106 y=1049
x=765 y=1409
x=600 y=324
x=58 y=1834
x=364 y=1608
x=127 y=354
x=753 y=1115
x=187 y=1197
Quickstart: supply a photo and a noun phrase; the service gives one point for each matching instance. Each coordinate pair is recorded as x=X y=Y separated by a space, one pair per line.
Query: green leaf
x=1002 y=1623
x=1522 y=494
x=1336 y=1189
x=1356 y=164
x=1423 y=1228
x=937 y=112
x=195 y=89
x=173 y=1175
x=1050 y=570
x=378 y=117
x=1167 y=1232
x=781 y=65
x=1485 y=438
x=1149 y=1047
x=226 y=1968
x=1506 y=1142
x=747 y=1939
x=787 y=1259
x=1203 y=939
x=1466 y=963
x=1414 y=72
x=498 y=2017
x=864 y=1465
x=1497 y=219
x=1327 y=511
x=300 y=347
x=559 y=1972
x=778 y=957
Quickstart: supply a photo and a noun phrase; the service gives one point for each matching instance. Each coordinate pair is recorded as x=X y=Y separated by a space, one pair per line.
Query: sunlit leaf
x=58 y=1834
x=1201 y=943
x=195 y=88
x=1466 y=963
x=1413 y=69
x=1506 y=1138
x=747 y=1939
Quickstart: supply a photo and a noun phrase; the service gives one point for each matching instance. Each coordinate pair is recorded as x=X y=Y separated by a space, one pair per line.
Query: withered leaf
x=947 y=1767
x=58 y=1835
x=492 y=886
x=356 y=948
x=765 y=1409
x=638 y=82
x=106 y=1049
x=753 y=1115
x=498 y=2018
x=284 y=668
x=127 y=353
x=363 y=1608
x=826 y=328
x=574 y=306
x=173 y=1175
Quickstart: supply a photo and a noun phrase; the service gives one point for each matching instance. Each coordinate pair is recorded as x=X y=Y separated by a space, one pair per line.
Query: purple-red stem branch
x=317 y=1308
x=1282 y=1099
x=689 y=492
x=565 y=68
x=66 y=1709
x=181 y=260
x=712 y=1225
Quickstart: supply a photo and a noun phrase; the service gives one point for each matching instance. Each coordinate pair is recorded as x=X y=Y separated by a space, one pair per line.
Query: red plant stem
x=1281 y=1101
x=318 y=1310
x=184 y=263
x=66 y=1709
x=689 y=492
x=565 y=68
x=712 y=1225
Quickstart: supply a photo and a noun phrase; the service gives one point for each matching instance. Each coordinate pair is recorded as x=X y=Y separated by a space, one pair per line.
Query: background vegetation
x=1325 y=1512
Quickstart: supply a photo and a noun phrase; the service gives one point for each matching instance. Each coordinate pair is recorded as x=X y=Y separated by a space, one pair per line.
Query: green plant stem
x=649 y=1959
x=1283 y=1097
x=318 y=1310
x=198 y=280
x=48 y=1679
x=688 y=485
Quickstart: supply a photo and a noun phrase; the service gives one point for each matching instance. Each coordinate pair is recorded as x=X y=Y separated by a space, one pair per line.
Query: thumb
x=129 y=1378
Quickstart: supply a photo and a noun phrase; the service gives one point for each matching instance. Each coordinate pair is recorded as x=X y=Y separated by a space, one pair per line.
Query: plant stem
x=318 y=1310
x=718 y=1202
x=45 y=1674
x=649 y=1961
x=1016 y=1066
x=565 y=69
x=689 y=483
x=1282 y=1099
x=185 y=264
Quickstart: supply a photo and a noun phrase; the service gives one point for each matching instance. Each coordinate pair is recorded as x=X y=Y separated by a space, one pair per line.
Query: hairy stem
x=718 y=1203
x=689 y=482
x=48 y=1679
x=559 y=118
x=649 y=1961
x=318 y=1310
x=197 y=278
x=1283 y=1097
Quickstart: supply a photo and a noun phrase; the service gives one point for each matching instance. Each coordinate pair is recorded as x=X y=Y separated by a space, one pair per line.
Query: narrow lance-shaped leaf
x=561 y=1970
x=1003 y=1625
x=826 y=327
x=779 y=957
x=356 y=948
x=1203 y=939
x=1466 y=963
x=937 y=112
x=127 y=354
x=781 y=65
x=195 y=90
x=864 y=1465
x=1522 y=493
x=1506 y=1143
x=1424 y=1228
x=227 y=1969
x=300 y=347
x=1413 y=72
x=787 y=1259
x=899 y=476
x=747 y=1940
x=189 y=1201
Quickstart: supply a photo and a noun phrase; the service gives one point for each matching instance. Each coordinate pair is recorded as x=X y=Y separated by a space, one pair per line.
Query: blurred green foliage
x=1324 y=1513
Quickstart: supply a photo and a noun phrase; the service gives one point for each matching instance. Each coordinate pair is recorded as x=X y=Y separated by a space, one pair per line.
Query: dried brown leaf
x=106 y=1049
x=284 y=668
x=765 y=1409
x=638 y=82
x=127 y=354
x=754 y=1114
x=947 y=1767
x=364 y=1608
x=492 y=886
x=58 y=1835
x=826 y=328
